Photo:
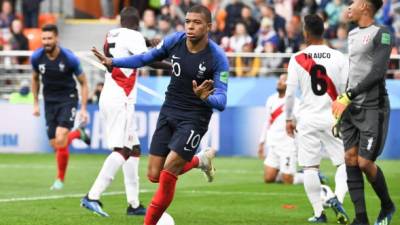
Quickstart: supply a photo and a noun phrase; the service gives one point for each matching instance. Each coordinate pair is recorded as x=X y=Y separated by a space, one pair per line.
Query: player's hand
x=83 y=117
x=260 y=153
x=36 y=110
x=107 y=62
x=204 y=90
x=336 y=129
x=290 y=128
x=340 y=104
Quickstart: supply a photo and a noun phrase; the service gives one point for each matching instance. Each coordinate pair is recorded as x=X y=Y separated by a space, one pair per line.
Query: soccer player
x=57 y=66
x=364 y=109
x=198 y=84
x=321 y=73
x=118 y=113
x=280 y=163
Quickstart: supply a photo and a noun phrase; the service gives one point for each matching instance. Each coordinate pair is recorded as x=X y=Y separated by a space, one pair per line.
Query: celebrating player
x=198 y=84
x=321 y=73
x=282 y=156
x=364 y=124
x=118 y=113
x=56 y=66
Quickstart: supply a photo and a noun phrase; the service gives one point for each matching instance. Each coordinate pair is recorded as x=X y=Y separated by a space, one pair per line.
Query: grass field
x=238 y=195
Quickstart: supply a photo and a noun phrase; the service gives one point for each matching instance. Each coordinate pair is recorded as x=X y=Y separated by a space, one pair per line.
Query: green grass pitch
x=237 y=197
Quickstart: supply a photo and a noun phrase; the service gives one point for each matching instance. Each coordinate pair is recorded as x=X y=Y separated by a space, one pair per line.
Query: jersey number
x=318 y=82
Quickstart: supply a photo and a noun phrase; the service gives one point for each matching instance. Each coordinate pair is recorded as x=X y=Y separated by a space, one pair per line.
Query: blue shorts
x=59 y=115
x=181 y=136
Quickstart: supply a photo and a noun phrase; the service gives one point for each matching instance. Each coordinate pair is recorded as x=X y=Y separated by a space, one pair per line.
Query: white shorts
x=282 y=158
x=120 y=124
x=312 y=143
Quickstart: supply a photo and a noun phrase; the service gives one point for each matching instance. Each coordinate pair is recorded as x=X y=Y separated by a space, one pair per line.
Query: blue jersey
x=210 y=63
x=57 y=75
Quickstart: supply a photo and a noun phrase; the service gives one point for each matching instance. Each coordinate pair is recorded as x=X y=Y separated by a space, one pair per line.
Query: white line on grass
x=243 y=193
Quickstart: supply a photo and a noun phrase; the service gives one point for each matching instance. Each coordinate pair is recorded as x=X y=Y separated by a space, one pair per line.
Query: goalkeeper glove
x=340 y=104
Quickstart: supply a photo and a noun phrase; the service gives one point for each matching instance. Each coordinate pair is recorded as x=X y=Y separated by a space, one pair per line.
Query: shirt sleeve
x=75 y=64
x=383 y=42
x=156 y=54
x=35 y=61
x=291 y=86
x=221 y=74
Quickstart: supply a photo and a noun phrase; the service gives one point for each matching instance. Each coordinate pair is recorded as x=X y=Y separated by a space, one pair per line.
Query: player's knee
x=365 y=165
x=60 y=142
x=269 y=179
x=152 y=178
x=287 y=179
x=350 y=159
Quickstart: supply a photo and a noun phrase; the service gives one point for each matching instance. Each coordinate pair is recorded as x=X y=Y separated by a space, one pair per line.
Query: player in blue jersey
x=57 y=66
x=198 y=85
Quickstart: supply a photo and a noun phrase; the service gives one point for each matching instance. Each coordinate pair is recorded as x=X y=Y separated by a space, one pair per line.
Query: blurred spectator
x=247 y=66
x=30 y=11
x=257 y=4
x=107 y=8
x=266 y=34
x=386 y=15
x=18 y=40
x=148 y=26
x=239 y=38
x=284 y=8
x=225 y=44
x=270 y=64
x=279 y=23
x=305 y=7
x=334 y=11
x=23 y=95
x=164 y=27
x=6 y=15
x=215 y=34
x=94 y=99
x=340 y=43
x=291 y=42
x=233 y=11
x=185 y=5
x=250 y=23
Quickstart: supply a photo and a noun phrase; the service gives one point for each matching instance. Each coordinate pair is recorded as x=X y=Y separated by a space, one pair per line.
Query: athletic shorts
x=59 y=115
x=119 y=122
x=282 y=158
x=312 y=142
x=180 y=135
x=365 y=128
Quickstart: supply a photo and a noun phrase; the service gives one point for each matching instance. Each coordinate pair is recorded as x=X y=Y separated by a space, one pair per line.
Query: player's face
x=49 y=41
x=281 y=86
x=355 y=9
x=196 y=26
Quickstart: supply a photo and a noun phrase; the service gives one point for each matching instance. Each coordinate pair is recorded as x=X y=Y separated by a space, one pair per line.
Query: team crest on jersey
x=202 y=70
x=366 y=39
x=42 y=68
x=61 y=66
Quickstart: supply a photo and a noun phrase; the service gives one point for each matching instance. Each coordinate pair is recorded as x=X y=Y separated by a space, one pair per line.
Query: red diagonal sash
x=308 y=63
x=278 y=111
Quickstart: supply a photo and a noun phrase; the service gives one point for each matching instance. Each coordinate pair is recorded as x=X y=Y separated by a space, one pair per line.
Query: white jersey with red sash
x=321 y=73
x=274 y=130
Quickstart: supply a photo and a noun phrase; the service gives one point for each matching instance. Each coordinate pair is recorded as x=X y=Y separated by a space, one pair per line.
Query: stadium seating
x=33 y=35
x=47 y=18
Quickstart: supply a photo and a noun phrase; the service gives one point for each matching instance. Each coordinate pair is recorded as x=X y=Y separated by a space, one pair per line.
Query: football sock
x=73 y=135
x=380 y=188
x=62 y=157
x=190 y=165
x=341 y=182
x=298 y=178
x=312 y=186
x=131 y=179
x=110 y=167
x=355 y=182
x=162 y=198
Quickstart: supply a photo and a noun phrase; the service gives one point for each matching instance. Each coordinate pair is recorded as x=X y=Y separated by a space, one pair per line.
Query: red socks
x=162 y=198
x=62 y=155
x=190 y=165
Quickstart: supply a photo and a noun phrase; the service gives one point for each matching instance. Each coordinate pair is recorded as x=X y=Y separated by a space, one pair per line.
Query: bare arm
x=35 y=92
x=84 y=96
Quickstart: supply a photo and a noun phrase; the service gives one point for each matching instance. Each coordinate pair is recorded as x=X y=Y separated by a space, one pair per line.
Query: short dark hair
x=377 y=4
x=314 y=25
x=129 y=17
x=201 y=9
x=50 y=28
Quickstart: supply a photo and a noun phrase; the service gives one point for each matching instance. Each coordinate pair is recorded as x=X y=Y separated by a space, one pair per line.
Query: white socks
x=298 y=178
x=341 y=182
x=131 y=180
x=312 y=186
x=110 y=167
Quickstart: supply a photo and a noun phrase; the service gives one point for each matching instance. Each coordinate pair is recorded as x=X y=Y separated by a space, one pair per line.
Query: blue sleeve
x=74 y=63
x=156 y=54
x=221 y=74
x=35 y=60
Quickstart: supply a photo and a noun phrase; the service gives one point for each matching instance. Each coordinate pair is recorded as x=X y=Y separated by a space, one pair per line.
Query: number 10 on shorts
x=192 y=142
